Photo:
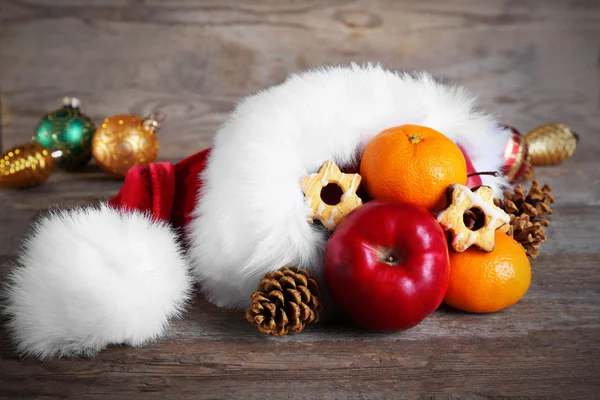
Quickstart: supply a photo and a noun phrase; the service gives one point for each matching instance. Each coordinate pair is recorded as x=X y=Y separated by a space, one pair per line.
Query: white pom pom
x=92 y=277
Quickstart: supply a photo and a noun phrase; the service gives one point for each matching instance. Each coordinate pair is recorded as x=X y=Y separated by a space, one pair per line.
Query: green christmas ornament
x=69 y=131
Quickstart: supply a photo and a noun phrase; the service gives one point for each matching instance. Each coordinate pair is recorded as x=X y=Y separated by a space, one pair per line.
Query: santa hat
x=118 y=272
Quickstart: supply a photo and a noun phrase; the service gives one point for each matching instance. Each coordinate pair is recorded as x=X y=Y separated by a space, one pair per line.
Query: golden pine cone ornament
x=535 y=203
x=529 y=234
x=26 y=166
x=285 y=302
x=551 y=144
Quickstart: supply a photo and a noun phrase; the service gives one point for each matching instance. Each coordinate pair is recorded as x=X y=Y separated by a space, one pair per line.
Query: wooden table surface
x=530 y=62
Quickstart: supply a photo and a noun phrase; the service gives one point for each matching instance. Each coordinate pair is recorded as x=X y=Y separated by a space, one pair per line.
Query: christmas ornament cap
x=72 y=102
x=153 y=122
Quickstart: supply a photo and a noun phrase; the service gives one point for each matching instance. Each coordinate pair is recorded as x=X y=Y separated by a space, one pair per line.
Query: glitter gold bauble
x=551 y=144
x=69 y=130
x=26 y=166
x=123 y=141
x=516 y=157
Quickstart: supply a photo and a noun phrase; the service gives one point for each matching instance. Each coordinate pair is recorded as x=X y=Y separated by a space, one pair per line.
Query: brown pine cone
x=535 y=203
x=285 y=301
x=529 y=234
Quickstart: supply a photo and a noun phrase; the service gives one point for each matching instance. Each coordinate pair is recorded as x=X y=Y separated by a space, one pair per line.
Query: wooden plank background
x=530 y=62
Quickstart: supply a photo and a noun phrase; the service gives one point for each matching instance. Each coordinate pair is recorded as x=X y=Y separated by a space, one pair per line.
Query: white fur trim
x=92 y=277
x=251 y=216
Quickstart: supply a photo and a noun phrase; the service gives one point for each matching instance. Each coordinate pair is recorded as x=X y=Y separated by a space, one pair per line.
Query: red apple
x=472 y=180
x=387 y=265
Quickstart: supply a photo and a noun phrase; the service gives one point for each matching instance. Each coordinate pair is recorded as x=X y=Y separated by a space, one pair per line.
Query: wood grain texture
x=530 y=62
x=543 y=347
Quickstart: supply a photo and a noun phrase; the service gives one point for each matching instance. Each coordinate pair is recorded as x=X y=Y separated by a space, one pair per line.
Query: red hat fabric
x=165 y=191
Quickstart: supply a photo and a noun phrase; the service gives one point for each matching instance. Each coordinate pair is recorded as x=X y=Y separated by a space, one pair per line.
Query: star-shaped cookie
x=479 y=203
x=330 y=215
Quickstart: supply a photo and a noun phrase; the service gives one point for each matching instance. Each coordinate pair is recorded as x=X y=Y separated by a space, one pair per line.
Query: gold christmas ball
x=26 y=166
x=123 y=141
x=551 y=144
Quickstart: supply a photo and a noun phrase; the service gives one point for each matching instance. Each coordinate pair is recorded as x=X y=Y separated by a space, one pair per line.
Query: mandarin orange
x=412 y=164
x=482 y=282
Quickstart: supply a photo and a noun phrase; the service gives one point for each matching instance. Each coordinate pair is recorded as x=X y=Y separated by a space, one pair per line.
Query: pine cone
x=535 y=204
x=285 y=301
x=529 y=234
x=528 y=215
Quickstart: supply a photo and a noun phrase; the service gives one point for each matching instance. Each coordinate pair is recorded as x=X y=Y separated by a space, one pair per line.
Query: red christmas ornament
x=516 y=155
x=473 y=178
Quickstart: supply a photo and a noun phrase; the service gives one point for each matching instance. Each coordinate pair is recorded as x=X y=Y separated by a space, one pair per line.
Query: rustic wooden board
x=530 y=62
x=546 y=346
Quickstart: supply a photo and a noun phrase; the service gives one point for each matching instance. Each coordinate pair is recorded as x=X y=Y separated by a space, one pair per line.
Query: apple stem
x=492 y=173
x=391 y=259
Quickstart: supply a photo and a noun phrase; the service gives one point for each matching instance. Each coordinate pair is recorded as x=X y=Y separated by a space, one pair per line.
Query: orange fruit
x=412 y=164
x=484 y=282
